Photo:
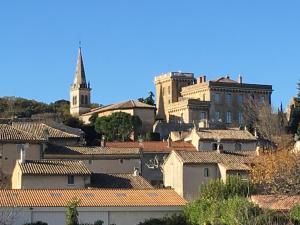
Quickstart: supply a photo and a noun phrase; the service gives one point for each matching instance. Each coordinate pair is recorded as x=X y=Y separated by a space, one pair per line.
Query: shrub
x=37 y=223
x=295 y=214
x=153 y=136
x=172 y=220
x=98 y=222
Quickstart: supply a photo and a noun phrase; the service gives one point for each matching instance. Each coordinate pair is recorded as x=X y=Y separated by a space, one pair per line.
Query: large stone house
x=46 y=174
x=12 y=140
x=187 y=171
x=181 y=98
x=112 y=206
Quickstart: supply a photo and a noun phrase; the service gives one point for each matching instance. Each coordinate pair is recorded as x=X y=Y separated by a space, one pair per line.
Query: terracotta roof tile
x=42 y=130
x=120 y=181
x=87 y=150
x=47 y=167
x=213 y=157
x=228 y=134
x=131 y=104
x=9 y=134
x=91 y=198
x=155 y=146
x=276 y=202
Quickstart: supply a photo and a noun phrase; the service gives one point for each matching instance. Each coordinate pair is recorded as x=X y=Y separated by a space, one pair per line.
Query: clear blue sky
x=126 y=43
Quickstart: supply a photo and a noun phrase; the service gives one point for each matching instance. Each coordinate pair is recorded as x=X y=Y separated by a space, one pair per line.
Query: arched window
x=86 y=100
x=82 y=99
x=214 y=146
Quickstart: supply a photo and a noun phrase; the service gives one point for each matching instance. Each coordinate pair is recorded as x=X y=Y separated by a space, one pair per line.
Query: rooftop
x=225 y=134
x=43 y=130
x=120 y=181
x=12 y=134
x=276 y=202
x=131 y=104
x=227 y=159
x=91 y=198
x=53 y=167
x=155 y=146
x=91 y=150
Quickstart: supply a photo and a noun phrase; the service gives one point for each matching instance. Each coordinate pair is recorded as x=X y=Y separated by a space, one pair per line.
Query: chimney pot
x=240 y=79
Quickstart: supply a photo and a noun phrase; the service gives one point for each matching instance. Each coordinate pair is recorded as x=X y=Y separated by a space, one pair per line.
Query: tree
x=276 y=173
x=148 y=100
x=118 y=126
x=72 y=213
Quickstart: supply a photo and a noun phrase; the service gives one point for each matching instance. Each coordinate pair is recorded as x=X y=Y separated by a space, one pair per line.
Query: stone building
x=80 y=92
x=182 y=98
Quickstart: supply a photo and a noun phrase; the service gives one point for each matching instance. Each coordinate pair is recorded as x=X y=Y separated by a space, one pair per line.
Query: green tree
x=172 y=220
x=148 y=100
x=295 y=214
x=72 y=213
x=118 y=126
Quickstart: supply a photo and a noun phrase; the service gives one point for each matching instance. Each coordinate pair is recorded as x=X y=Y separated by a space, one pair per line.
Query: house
x=231 y=139
x=46 y=174
x=182 y=98
x=112 y=206
x=279 y=203
x=53 y=133
x=153 y=155
x=186 y=171
x=99 y=159
x=133 y=107
x=12 y=140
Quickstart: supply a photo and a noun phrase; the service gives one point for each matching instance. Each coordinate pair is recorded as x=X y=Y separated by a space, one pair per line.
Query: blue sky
x=126 y=43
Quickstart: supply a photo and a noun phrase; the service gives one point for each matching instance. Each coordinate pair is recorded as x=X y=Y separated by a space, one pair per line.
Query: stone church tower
x=80 y=92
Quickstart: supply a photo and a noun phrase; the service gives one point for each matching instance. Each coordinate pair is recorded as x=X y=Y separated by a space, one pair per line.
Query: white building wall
x=111 y=215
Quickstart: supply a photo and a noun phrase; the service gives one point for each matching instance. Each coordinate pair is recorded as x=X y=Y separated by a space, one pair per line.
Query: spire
x=80 y=74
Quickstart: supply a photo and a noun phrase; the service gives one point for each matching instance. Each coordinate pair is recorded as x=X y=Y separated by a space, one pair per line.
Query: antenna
x=79 y=44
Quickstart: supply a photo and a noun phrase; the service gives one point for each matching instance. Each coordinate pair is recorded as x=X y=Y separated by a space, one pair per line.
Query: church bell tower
x=80 y=92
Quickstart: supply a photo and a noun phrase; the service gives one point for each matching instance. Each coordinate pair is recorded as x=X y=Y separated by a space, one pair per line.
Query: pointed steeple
x=80 y=79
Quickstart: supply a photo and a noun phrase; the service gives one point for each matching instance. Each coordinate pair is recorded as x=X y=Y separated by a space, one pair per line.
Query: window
x=238 y=146
x=217 y=97
x=262 y=98
x=90 y=161
x=240 y=99
x=203 y=98
x=240 y=118
x=228 y=98
x=86 y=99
x=71 y=180
x=169 y=90
x=214 y=146
x=206 y=172
x=163 y=91
x=228 y=117
x=202 y=115
x=81 y=99
x=217 y=116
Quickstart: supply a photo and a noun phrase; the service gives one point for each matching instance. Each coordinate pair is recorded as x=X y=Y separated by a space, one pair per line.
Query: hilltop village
x=151 y=158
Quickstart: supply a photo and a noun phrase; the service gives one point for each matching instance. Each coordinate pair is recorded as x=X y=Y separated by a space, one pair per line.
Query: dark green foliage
x=36 y=223
x=118 y=126
x=72 y=213
x=152 y=136
x=149 y=100
x=98 y=222
x=295 y=214
x=173 y=220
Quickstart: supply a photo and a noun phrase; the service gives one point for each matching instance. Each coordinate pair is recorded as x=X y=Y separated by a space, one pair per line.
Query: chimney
x=169 y=141
x=23 y=148
x=136 y=172
x=103 y=141
x=201 y=79
x=204 y=79
x=227 y=76
x=240 y=79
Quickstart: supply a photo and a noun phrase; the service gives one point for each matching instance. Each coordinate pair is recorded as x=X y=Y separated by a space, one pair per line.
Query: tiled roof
x=86 y=150
x=276 y=202
x=91 y=198
x=43 y=130
x=47 y=167
x=120 y=181
x=225 y=80
x=235 y=166
x=155 y=146
x=228 y=134
x=131 y=104
x=9 y=133
x=212 y=157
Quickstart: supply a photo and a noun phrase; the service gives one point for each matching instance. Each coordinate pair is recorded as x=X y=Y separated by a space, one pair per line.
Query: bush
x=172 y=220
x=295 y=214
x=98 y=222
